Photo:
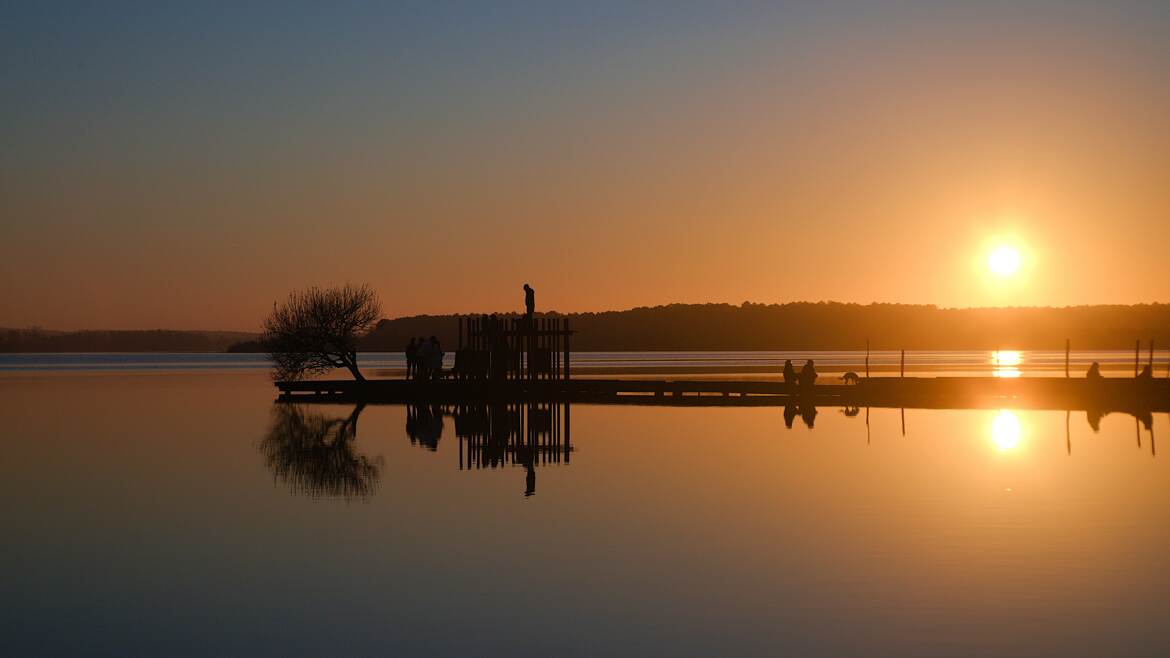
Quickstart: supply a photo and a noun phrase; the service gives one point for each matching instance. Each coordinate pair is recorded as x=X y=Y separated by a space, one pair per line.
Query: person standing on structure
x=529 y=302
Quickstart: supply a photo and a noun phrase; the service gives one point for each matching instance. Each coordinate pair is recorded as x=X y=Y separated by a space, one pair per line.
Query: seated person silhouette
x=808 y=376
x=789 y=375
x=1094 y=372
x=1147 y=373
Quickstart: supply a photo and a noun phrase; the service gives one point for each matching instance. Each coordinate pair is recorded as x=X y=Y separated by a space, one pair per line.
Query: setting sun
x=1004 y=261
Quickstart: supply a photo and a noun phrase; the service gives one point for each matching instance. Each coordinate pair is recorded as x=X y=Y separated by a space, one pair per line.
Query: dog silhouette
x=850 y=378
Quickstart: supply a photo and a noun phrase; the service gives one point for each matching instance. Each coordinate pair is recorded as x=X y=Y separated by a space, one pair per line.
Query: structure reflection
x=525 y=434
x=314 y=453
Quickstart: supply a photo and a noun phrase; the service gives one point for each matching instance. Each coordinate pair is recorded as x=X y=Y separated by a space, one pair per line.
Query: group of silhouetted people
x=1094 y=373
x=802 y=381
x=424 y=358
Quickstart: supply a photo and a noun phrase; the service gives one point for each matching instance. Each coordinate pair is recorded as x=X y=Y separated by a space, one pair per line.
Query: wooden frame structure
x=493 y=348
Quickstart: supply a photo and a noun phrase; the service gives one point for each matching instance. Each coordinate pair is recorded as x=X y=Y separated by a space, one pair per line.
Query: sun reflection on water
x=1005 y=431
x=1006 y=363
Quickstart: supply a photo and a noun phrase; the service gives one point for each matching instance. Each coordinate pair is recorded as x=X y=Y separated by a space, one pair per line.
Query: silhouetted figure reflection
x=851 y=412
x=790 y=379
x=790 y=413
x=424 y=425
x=530 y=481
x=807 y=412
x=1146 y=418
x=1094 y=416
x=314 y=454
x=808 y=376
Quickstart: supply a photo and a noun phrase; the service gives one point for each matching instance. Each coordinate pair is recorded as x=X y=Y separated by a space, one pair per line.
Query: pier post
x=902 y=367
x=1067 y=348
x=567 y=335
x=1137 y=356
x=867 y=358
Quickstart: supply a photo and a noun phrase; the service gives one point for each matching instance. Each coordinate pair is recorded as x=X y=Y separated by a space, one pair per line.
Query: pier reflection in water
x=316 y=455
x=314 y=451
x=194 y=508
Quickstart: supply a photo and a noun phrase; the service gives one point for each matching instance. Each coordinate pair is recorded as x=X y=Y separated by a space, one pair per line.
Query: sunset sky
x=184 y=168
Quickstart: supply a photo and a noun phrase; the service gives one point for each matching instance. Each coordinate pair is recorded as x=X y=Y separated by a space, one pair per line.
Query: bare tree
x=318 y=329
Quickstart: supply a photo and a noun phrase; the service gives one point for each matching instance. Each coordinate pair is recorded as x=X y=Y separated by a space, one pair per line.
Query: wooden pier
x=523 y=359
x=910 y=392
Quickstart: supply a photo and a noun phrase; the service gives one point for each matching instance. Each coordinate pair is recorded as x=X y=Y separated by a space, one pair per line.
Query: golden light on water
x=1006 y=363
x=1004 y=261
x=1005 y=431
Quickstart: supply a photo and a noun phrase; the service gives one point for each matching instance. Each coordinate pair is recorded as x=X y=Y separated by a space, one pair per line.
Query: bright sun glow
x=1006 y=363
x=1005 y=431
x=1004 y=261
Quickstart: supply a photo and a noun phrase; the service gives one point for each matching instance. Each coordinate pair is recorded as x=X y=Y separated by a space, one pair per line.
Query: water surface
x=183 y=513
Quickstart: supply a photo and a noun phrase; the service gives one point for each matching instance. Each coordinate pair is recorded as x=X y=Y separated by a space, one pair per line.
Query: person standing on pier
x=529 y=302
x=411 y=358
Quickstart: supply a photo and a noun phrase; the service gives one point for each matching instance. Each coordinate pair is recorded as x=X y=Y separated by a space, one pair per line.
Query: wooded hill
x=829 y=325
x=39 y=340
x=796 y=326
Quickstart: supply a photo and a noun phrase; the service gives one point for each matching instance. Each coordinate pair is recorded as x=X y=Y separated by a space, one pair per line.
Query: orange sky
x=173 y=172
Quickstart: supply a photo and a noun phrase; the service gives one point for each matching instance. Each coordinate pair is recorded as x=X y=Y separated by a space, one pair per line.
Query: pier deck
x=922 y=392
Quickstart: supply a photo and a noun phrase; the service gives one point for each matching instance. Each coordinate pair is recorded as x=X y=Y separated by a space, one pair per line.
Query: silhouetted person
x=1094 y=373
x=790 y=379
x=411 y=358
x=424 y=358
x=529 y=302
x=1147 y=373
x=808 y=376
x=435 y=363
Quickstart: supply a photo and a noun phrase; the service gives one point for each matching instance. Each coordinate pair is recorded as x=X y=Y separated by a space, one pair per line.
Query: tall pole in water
x=867 y=358
x=902 y=367
x=1067 y=348
x=1137 y=356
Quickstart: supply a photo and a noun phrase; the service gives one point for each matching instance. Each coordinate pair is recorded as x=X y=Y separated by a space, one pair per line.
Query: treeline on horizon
x=828 y=326
x=792 y=326
x=157 y=340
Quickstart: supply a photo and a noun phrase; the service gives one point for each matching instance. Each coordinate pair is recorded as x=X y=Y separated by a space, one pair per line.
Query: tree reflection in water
x=314 y=454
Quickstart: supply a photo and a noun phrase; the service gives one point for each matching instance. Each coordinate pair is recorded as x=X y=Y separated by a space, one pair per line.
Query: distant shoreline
x=711 y=328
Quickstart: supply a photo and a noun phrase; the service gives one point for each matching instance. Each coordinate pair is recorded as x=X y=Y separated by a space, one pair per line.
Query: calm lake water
x=156 y=512
x=1003 y=363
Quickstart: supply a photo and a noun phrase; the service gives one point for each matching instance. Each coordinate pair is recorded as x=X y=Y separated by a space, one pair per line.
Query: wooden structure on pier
x=512 y=349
